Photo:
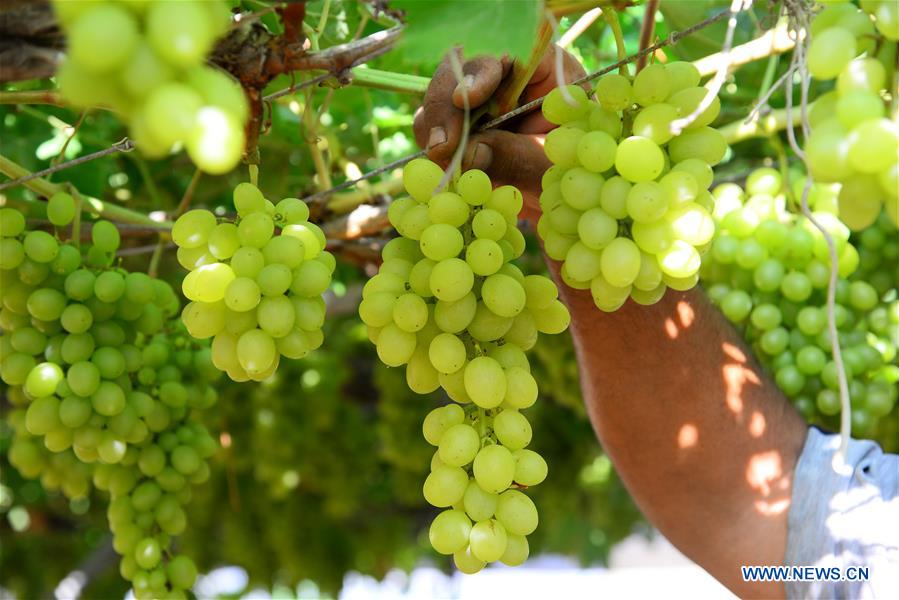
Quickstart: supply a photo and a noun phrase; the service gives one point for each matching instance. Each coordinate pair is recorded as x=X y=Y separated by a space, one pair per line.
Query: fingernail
x=436 y=137
x=482 y=157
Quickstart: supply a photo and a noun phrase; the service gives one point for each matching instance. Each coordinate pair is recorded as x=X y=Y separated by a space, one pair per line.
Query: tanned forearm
x=703 y=440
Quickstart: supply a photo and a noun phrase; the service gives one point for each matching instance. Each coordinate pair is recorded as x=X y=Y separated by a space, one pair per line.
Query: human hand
x=510 y=155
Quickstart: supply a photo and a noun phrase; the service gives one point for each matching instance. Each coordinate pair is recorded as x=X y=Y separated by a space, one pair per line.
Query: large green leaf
x=493 y=27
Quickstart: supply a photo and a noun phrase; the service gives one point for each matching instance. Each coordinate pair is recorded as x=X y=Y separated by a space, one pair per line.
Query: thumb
x=508 y=158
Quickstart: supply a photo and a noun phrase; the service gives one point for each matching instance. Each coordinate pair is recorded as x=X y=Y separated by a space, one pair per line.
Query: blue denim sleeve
x=845 y=518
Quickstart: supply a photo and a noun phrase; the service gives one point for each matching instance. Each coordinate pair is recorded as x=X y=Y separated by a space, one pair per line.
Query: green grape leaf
x=494 y=27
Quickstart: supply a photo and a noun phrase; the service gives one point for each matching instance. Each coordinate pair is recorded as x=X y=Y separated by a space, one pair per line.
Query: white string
x=799 y=63
x=456 y=163
x=561 y=84
x=717 y=82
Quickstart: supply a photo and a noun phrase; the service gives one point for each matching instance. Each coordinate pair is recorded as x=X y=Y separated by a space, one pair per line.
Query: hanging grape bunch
x=105 y=383
x=768 y=271
x=146 y=61
x=449 y=304
x=626 y=204
x=255 y=291
x=854 y=141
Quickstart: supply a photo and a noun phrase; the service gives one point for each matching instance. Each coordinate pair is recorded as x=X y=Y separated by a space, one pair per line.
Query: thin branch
x=763 y=101
x=342 y=73
x=647 y=29
x=347 y=201
x=62 y=151
x=97 y=562
x=337 y=60
x=373 y=173
x=774 y=121
x=714 y=86
x=773 y=42
x=125 y=145
x=113 y=212
x=389 y=81
x=579 y=27
x=51 y=97
x=366 y=220
x=158 y=248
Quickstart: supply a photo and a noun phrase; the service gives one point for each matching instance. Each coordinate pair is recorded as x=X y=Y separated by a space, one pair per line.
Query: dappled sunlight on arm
x=703 y=440
x=765 y=474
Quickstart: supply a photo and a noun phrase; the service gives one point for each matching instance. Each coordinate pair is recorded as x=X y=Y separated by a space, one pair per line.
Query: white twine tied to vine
x=798 y=11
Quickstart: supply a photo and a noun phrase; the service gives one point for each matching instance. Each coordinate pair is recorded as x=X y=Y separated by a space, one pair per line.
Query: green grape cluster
x=449 y=304
x=768 y=271
x=256 y=291
x=626 y=205
x=104 y=380
x=854 y=139
x=146 y=61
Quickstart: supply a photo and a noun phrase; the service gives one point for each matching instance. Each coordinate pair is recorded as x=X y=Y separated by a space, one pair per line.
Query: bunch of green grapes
x=145 y=60
x=626 y=205
x=104 y=381
x=449 y=304
x=256 y=291
x=768 y=271
x=854 y=139
x=151 y=486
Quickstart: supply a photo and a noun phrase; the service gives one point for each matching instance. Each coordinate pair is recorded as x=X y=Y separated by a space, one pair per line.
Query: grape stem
x=75 y=231
x=153 y=268
x=188 y=193
x=482 y=425
x=310 y=133
x=611 y=17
